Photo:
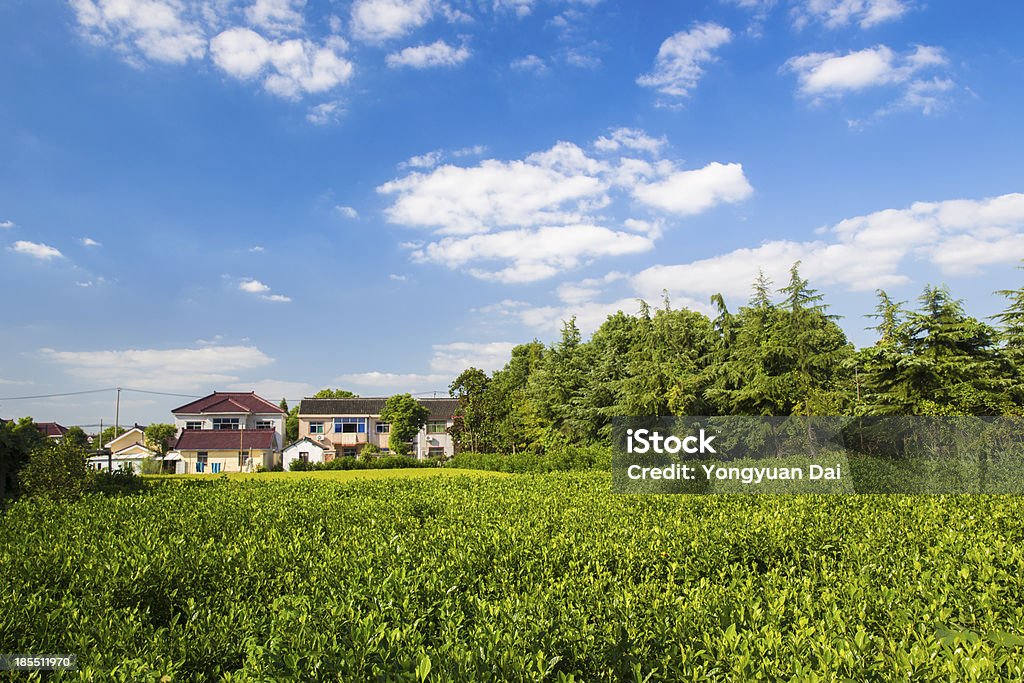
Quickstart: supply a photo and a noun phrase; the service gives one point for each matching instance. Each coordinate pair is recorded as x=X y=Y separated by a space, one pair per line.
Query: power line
x=160 y=393
x=67 y=393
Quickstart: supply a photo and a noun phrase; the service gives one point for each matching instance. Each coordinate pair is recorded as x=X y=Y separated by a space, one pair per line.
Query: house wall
x=228 y=461
x=245 y=421
x=291 y=454
x=421 y=444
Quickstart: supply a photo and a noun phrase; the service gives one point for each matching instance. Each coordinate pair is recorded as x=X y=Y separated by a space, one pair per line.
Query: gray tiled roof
x=440 y=408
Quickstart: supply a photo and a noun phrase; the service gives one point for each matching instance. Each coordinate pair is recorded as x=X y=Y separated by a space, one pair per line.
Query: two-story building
x=228 y=431
x=346 y=425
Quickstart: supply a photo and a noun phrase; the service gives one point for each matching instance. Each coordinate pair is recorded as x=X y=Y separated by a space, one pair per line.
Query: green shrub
x=114 y=483
x=559 y=459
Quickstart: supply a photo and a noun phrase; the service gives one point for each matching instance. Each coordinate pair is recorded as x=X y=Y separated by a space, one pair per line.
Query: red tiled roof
x=51 y=428
x=229 y=402
x=224 y=439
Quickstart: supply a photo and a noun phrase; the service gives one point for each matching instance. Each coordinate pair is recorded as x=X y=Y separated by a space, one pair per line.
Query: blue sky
x=284 y=195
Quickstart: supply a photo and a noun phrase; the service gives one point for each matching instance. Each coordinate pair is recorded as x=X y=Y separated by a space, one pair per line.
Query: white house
x=306 y=450
x=232 y=411
x=128 y=450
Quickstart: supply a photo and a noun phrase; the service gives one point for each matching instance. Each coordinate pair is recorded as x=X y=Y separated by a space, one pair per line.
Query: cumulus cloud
x=679 y=64
x=6 y=224
x=380 y=20
x=369 y=383
x=43 y=252
x=823 y=75
x=630 y=138
x=455 y=357
x=347 y=211
x=526 y=220
x=863 y=253
x=438 y=53
x=288 y=68
x=426 y=160
x=839 y=13
x=186 y=369
x=252 y=286
x=89 y=242
x=159 y=30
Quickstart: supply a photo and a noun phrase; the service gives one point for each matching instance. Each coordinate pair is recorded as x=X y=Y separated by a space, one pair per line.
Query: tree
x=1012 y=336
x=334 y=393
x=159 y=436
x=470 y=387
x=17 y=440
x=406 y=416
x=55 y=470
x=77 y=436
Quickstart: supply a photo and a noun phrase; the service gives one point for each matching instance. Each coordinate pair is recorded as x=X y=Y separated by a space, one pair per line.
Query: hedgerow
x=514 y=578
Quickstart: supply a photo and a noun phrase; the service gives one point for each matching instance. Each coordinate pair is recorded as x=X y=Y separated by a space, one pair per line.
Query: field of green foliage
x=521 y=578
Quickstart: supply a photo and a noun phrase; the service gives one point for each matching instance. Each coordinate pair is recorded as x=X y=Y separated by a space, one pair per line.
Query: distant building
x=227 y=431
x=52 y=430
x=305 y=450
x=347 y=425
x=128 y=450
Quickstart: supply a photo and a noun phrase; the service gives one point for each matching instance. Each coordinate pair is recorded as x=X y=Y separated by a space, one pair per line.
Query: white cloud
x=426 y=160
x=347 y=211
x=380 y=20
x=161 y=369
x=582 y=59
x=325 y=113
x=530 y=63
x=678 y=66
x=369 y=383
x=288 y=68
x=7 y=224
x=586 y=290
x=160 y=30
x=589 y=314
x=630 y=138
x=277 y=16
x=397 y=278
x=534 y=254
x=471 y=151
x=866 y=252
x=455 y=357
x=544 y=214
x=275 y=389
x=89 y=242
x=688 y=192
x=256 y=249
x=839 y=13
x=253 y=286
x=44 y=252
x=438 y=53
x=821 y=75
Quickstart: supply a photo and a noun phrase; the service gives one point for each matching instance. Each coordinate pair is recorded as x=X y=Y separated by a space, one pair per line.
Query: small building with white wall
x=306 y=450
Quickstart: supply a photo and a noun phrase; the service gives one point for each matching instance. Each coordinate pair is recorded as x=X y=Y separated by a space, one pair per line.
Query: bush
x=382 y=462
x=559 y=459
x=55 y=470
x=116 y=483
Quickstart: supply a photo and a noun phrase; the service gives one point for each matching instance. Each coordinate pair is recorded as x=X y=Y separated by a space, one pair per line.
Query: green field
x=520 y=578
x=329 y=475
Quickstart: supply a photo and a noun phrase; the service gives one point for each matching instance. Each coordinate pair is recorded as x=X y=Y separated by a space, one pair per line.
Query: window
x=383 y=428
x=264 y=424
x=348 y=452
x=316 y=427
x=435 y=452
x=304 y=456
x=243 y=459
x=201 y=461
x=194 y=424
x=225 y=422
x=437 y=427
x=350 y=425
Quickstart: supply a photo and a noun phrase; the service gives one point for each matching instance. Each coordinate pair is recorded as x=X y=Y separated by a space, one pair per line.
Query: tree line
x=781 y=354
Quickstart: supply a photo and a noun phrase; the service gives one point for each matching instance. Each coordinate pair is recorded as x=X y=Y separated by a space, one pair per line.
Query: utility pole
x=101 y=442
x=117 y=421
